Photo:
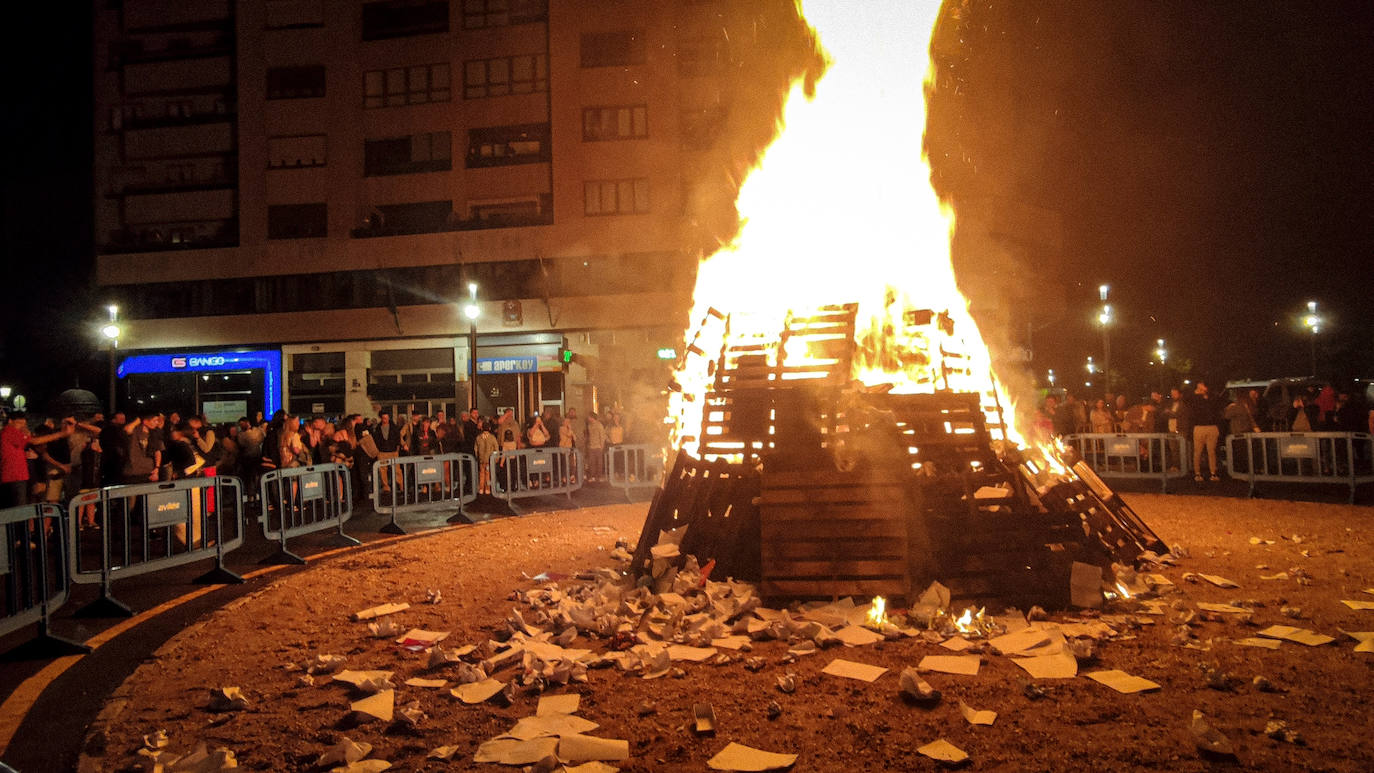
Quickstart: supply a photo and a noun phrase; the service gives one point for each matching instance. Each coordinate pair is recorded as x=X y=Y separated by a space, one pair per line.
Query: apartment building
x=293 y=196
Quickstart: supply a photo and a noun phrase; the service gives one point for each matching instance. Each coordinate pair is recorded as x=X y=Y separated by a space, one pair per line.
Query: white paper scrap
x=738 y=757
x=512 y=751
x=691 y=654
x=549 y=725
x=476 y=692
x=1357 y=604
x=965 y=665
x=379 y=611
x=1060 y=665
x=943 y=751
x=558 y=704
x=848 y=669
x=975 y=716
x=1122 y=682
x=382 y=705
x=857 y=636
x=433 y=684
x=1254 y=641
x=583 y=748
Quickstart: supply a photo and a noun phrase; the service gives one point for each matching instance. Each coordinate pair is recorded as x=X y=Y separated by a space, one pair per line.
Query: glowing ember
x=1125 y=594
x=970 y=622
x=840 y=210
x=877 y=612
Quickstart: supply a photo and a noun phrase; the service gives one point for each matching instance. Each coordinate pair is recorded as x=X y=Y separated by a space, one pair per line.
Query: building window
x=502 y=145
x=505 y=75
x=625 y=122
x=403 y=18
x=294 y=14
x=418 y=217
x=616 y=197
x=297 y=221
x=295 y=82
x=294 y=152
x=406 y=85
x=429 y=152
x=612 y=49
x=478 y=14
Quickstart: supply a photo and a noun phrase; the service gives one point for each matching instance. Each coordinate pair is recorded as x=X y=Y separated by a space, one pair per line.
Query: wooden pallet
x=714 y=502
x=826 y=534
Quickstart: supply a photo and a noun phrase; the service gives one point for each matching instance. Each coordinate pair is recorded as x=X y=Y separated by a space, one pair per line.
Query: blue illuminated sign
x=507 y=365
x=267 y=360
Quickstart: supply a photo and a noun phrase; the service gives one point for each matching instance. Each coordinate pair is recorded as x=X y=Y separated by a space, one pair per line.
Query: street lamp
x=1104 y=318
x=111 y=332
x=1313 y=321
x=1161 y=353
x=1050 y=376
x=472 y=311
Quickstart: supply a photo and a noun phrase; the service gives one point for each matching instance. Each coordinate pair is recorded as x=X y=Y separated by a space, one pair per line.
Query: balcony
x=133 y=51
x=163 y=237
x=537 y=211
x=149 y=187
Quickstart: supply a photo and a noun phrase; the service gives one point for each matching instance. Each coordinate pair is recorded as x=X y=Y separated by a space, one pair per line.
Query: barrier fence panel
x=33 y=574
x=535 y=472
x=634 y=466
x=1302 y=457
x=1134 y=455
x=148 y=527
x=409 y=483
x=301 y=500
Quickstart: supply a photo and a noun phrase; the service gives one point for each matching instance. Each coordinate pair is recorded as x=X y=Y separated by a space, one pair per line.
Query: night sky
x=1211 y=161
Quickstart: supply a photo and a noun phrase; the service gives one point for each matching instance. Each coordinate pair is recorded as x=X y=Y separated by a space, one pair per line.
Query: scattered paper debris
x=344 y=752
x=943 y=751
x=1060 y=665
x=366 y=681
x=1210 y=741
x=444 y=753
x=704 y=718
x=384 y=628
x=1085 y=585
x=1365 y=639
x=1299 y=635
x=558 y=704
x=965 y=665
x=738 y=757
x=511 y=751
x=438 y=656
x=848 y=669
x=916 y=689
x=1279 y=576
x=1254 y=641
x=156 y=740
x=422 y=639
x=1220 y=582
x=583 y=748
x=325 y=664
x=976 y=717
x=1122 y=682
x=857 y=636
x=227 y=699
x=1279 y=731
x=691 y=654
x=1020 y=642
x=1208 y=606
x=432 y=684
x=433 y=596
x=956 y=643
x=549 y=725
x=380 y=611
x=477 y=692
x=1357 y=604
x=380 y=706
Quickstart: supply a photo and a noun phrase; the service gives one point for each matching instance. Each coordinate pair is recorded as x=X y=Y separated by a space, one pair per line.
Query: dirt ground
x=1325 y=693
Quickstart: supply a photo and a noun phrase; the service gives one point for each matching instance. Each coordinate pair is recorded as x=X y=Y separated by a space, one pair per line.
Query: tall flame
x=840 y=209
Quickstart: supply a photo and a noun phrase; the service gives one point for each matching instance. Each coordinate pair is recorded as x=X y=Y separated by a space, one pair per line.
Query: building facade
x=316 y=183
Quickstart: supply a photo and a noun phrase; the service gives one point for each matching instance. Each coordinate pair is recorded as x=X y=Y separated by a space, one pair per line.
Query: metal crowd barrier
x=407 y=483
x=634 y=466
x=1159 y=456
x=535 y=472
x=33 y=574
x=1302 y=457
x=148 y=527
x=301 y=500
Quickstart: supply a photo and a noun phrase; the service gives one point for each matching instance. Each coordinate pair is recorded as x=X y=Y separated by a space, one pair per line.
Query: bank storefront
x=224 y=385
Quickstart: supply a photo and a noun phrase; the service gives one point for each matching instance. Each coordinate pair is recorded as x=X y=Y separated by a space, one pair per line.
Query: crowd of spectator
x=58 y=459
x=1205 y=417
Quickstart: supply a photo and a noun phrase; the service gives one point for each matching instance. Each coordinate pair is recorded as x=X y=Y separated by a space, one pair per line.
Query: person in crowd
x=1120 y=405
x=566 y=439
x=1326 y=407
x=1045 y=415
x=579 y=430
x=1240 y=414
x=1206 y=412
x=1179 y=420
x=596 y=448
x=485 y=446
x=291 y=450
x=1302 y=417
x=1101 y=418
x=205 y=442
x=114 y=450
x=507 y=431
x=423 y=440
x=316 y=440
x=615 y=429
x=1156 y=416
x=15 y=443
x=92 y=478
x=537 y=434
x=472 y=427
x=145 y=449
x=181 y=455
x=1063 y=420
x=1348 y=417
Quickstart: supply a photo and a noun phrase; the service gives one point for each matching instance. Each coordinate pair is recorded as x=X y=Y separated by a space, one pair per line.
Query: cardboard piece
x=367 y=681
x=738 y=757
x=432 y=684
x=1253 y=641
x=966 y=665
x=943 y=751
x=956 y=643
x=1021 y=641
x=1207 y=606
x=512 y=751
x=549 y=725
x=583 y=748
x=1122 y=682
x=380 y=706
x=1357 y=604
x=704 y=715
x=848 y=669
x=1060 y=665
x=732 y=642
x=691 y=654
x=1299 y=635
x=857 y=636
x=476 y=692
x=379 y=611
x=558 y=704
x=976 y=717
x=1085 y=585
x=422 y=638
x=344 y=752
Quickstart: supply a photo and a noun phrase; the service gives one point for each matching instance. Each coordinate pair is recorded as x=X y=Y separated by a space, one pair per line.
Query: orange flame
x=840 y=209
x=877 y=613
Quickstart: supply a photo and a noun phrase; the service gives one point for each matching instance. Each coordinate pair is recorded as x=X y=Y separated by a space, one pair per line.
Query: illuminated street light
x=111 y=331
x=1092 y=366
x=1104 y=318
x=1313 y=321
x=1050 y=376
x=1161 y=353
x=472 y=311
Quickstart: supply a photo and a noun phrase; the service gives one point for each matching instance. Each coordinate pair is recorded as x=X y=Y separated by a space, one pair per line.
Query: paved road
x=50 y=734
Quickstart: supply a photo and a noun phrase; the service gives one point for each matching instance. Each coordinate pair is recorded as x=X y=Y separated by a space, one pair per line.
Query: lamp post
x=1313 y=321
x=111 y=332
x=472 y=311
x=1092 y=369
x=1162 y=356
x=1104 y=318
